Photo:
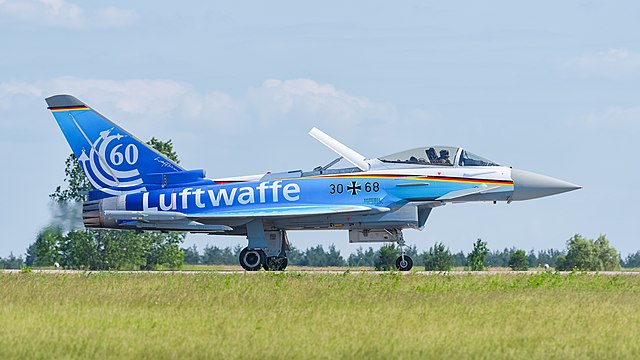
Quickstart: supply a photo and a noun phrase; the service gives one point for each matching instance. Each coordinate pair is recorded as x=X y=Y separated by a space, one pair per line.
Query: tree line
x=105 y=250
x=117 y=250
x=581 y=254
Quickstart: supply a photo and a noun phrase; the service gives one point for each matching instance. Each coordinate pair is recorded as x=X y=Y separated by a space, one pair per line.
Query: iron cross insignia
x=354 y=187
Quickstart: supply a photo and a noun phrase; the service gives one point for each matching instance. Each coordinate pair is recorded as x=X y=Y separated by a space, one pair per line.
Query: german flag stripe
x=423 y=178
x=68 y=108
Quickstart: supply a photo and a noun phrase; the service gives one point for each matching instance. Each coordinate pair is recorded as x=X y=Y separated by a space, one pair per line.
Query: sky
x=547 y=86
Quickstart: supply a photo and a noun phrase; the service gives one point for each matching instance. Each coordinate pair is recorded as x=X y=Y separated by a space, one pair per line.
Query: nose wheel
x=403 y=262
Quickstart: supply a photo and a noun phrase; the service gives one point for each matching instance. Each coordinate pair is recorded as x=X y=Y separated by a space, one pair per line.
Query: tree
x=518 y=261
x=77 y=183
x=165 y=148
x=104 y=249
x=588 y=255
x=438 y=258
x=386 y=257
x=120 y=249
x=45 y=250
x=460 y=259
x=362 y=258
x=581 y=255
x=477 y=256
x=315 y=256
x=295 y=256
x=162 y=250
x=632 y=260
x=191 y=255
x=11 y=262
x=213 y=255
x=548 y=257
x=79 y=250
x=334 y=258
x=607 y=256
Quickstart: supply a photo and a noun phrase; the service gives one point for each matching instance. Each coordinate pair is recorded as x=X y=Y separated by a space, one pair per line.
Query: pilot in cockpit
x=444 y=157
x=431 y=154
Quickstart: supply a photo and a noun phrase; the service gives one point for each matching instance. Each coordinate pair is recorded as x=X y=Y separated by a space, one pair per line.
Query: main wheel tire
x=276 y=263
x=252 y=260
x=404 y=264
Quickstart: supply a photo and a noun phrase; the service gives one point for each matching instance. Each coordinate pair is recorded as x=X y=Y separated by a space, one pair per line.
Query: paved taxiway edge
x=311 y=272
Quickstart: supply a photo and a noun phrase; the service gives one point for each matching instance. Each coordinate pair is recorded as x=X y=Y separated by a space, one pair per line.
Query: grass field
x=293 y=315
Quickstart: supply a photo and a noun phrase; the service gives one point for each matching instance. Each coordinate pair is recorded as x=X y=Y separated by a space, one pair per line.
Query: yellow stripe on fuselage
x=421 y=178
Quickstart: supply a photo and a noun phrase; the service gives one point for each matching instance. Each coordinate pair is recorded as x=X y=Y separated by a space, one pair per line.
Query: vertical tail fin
x=113 y=160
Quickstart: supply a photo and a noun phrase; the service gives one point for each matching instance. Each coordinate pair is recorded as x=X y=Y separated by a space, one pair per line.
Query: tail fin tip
x=63 y=101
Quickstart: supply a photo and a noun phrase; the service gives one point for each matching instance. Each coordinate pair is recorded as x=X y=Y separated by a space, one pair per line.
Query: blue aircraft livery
x=207 y=199
x=137 y=188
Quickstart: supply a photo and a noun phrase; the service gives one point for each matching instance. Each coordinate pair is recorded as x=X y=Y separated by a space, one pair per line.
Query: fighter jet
x=373 y=199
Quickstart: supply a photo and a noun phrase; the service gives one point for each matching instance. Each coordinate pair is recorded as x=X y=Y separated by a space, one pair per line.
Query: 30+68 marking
x=354 y=187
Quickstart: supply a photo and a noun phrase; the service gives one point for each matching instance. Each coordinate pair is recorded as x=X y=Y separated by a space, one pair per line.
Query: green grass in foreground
x=293 y=315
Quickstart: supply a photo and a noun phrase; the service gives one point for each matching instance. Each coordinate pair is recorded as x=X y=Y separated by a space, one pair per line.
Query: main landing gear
x=254 y=259
x=267 y=250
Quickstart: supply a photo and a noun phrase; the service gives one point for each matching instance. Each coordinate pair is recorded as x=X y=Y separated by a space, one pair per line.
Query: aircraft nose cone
x=529 y=185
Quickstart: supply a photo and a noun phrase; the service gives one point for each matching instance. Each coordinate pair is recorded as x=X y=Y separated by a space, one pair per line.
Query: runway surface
x=311 y=272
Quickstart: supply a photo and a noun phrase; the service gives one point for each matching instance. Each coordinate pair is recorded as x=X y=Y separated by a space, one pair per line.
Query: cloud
x=275 y=102
x=312 y=101
x=153 y=97
x=613 y=63
x=629 y=117
x=60 y=13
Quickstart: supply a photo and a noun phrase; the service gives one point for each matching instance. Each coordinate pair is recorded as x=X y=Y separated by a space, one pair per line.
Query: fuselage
x=398 y=193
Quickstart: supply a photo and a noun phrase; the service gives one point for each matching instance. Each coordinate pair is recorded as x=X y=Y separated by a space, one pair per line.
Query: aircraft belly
x=405 y=217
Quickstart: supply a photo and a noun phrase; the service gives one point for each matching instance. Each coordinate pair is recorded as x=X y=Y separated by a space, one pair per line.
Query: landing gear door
x=277 y=243
x=374 y=235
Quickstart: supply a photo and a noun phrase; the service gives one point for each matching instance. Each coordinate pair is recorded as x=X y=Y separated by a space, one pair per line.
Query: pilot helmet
x=444 y=152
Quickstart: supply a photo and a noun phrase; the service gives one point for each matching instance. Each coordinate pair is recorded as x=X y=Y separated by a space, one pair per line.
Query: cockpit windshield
x=437 y=155
x=471 y=159
x=434 y=155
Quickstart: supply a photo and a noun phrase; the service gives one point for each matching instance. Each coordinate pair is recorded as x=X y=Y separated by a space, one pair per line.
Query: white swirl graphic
x=101 y=173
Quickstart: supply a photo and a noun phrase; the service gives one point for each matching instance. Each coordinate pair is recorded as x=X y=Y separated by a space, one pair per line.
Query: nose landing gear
x=403 y=262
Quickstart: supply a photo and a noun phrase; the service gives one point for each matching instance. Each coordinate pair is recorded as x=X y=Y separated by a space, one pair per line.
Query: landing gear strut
x=252 y=259
x=403 y=262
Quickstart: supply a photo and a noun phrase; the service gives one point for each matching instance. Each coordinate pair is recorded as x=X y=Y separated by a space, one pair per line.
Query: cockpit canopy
x=438 y=155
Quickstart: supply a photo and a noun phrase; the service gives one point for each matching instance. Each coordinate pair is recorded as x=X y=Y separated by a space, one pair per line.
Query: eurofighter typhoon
x=137 y=188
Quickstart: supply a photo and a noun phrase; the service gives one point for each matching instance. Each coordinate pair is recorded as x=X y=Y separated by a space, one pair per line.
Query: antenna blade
x=347 y=153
